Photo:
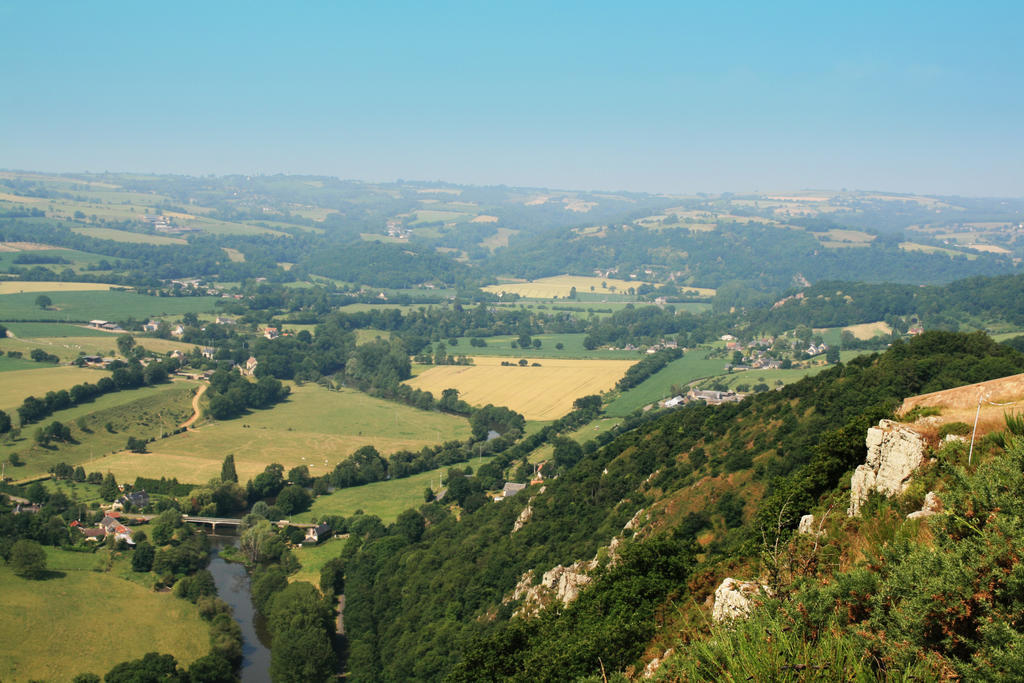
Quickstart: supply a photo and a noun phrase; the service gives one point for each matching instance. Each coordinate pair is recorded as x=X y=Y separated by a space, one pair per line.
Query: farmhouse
x=511 y=488
x=271 y=333
x=151 y=326
x=317 y=533
x=713 y=398
x=250 y=366
x=673 y=402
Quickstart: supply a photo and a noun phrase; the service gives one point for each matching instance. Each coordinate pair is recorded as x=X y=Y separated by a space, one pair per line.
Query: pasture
x=143 y=413
x=572 y=347
x=561 y=285
x=7 y=364
x=80 y=620
x=72 y=258
x=386 y=499
x=112 y=305
x=50 y=330
x=692 y=366
x=538 y=393
x=129 y=237
x=314 y=427
x=18 y=384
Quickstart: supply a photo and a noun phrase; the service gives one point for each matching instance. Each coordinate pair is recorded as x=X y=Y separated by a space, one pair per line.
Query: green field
x=28 y=330
x=81 y=621
x=386 y=499
x=572 y=348
x=7 y=364
x=314 y=557
x=693 y=365
x=78 y=259
x=142 y=413
x=125 y=236
x=314 y=427
x=100 y=305
x=581 y=435
x=19 y=384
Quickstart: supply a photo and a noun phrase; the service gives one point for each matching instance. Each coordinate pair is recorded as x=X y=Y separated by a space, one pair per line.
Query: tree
x=28 y=559
x=227 y=470
x=142 y=557
x=293 y=499
x=832 y=355
x=410 y=525
x=301 y=655
x=125 y=342
x=5 y=422
x=43 y=301
x=136 y=445
x=108 y=489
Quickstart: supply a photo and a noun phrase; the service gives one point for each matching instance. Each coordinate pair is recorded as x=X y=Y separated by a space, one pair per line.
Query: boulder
x=894 y=453
x=807 y=526
x=734 y=599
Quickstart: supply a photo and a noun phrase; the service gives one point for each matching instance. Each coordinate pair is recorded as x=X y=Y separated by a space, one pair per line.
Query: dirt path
x=187 y=424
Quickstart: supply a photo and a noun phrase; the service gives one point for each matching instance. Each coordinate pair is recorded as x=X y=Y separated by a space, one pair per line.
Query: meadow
x=77 y=260
x=538 y=393
x=83 y=306
x=144 y=413
x=50 y=330
x=7 y=364
x=80 y=620
x=314 y=427
x=18 y=384
x=129 y=237
x=21 y=286
x=692 y=366
x=572 y=347
x=561 y=285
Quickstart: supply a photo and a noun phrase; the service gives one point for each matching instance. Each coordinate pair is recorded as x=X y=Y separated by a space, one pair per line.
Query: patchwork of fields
x=539 y=393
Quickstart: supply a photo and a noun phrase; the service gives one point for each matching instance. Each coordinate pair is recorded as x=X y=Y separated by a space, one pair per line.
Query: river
x=232 y=582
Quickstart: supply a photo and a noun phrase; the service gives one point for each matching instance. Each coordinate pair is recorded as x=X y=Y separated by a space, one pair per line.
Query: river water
x=232 y=582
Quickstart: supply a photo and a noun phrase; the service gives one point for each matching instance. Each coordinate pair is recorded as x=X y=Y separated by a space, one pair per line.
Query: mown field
x=20 y=286
x=8 y=364
x=539 y=393
x=314 y=427
x=572 y=347
x=81 y=621
x=71 y=305
x=561 y=285
x=18 y=384
x=129 y=237
x=102 y=344
x=694 y=365
x=53 y=329
x=142 y=413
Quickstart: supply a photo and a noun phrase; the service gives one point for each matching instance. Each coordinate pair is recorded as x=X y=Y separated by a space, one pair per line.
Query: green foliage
x=227 y=470
x=28 y=559
x=957 y=428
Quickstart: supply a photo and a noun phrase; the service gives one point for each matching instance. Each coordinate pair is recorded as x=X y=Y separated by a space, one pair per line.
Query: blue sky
x=661 y=97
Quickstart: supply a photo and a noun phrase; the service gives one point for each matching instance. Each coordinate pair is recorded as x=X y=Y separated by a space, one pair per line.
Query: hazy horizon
x=659 y=98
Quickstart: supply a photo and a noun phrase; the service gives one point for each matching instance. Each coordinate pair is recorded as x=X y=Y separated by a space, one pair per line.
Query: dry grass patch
x=961 y=404
x=19 y=287
x=868 y=330
x=539 y=393
x=561 y=286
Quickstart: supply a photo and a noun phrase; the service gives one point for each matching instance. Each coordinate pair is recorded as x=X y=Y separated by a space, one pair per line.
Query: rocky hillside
x=617 y=561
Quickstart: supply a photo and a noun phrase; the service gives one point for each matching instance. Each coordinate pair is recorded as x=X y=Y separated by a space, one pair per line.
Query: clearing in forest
x=538 y=393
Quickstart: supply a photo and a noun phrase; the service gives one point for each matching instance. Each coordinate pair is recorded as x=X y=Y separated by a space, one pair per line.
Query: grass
x=8 y=364
x=692 y=366
x=86 y=621
x=582 y=435
x=539 y=393
x=315 y=427
x=561 y=286
x=386 y=499
x=69 y=348
x=142 y=413
x=314 y=557
x=18 y=286
x=69 y=305
x=77 y=260
x=32 y=330
x=19 y=384
x=572 y=347
x=125 y=236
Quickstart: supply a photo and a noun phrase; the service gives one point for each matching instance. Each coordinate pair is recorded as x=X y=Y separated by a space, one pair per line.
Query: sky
x=665 y=97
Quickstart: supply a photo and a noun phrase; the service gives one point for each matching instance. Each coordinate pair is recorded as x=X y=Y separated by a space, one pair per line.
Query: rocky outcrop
x=894 y=453
x=525 y=516
x=558 y=583
x=734 y=599
x=634 y=522
x=807 y=526
x=654 y=664
x=932 y=506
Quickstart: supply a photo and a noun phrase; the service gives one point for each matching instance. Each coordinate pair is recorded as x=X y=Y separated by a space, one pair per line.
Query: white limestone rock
x=653 y=665
x=932 y=506
x=894 y=453
x=734 y=599
x=525 y=516
x=807 y=526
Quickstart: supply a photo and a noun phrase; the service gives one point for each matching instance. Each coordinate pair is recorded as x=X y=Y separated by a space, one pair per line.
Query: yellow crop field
x=561 y=285
x=868 y=330
x=18 y=287
x=539 y=393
